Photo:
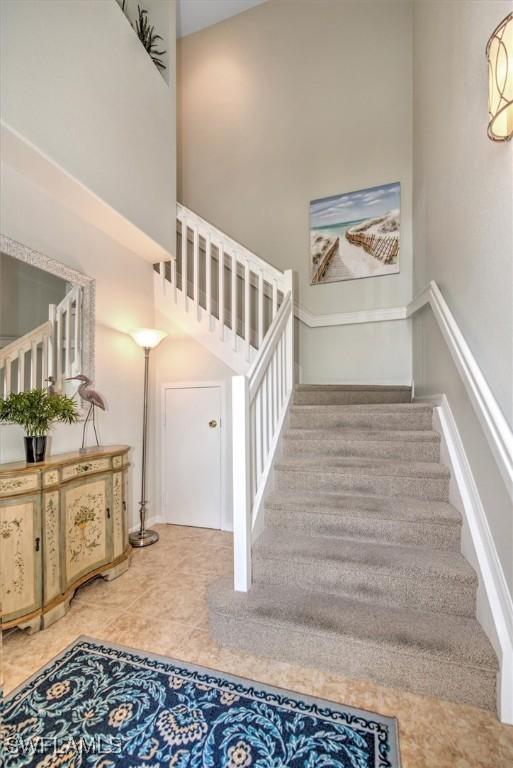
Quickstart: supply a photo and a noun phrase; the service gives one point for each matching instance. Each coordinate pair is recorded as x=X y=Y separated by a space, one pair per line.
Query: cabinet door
x=86 y=521
x=118 y=537
x=20 y=556
x=52 y=572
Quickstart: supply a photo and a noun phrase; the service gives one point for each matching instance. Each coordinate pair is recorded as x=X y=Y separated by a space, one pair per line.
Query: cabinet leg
x=32 y=626
x=56 y=613
x=116 y=571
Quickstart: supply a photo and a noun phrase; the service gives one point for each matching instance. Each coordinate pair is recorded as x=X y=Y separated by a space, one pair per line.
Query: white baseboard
x=495 y=606
x=149 y=522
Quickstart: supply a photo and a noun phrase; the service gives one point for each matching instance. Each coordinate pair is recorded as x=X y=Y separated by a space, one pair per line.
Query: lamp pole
x=147 y=339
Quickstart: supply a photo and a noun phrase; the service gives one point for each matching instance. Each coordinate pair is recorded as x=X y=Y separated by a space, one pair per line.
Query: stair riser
x=368 y=583
x=386 y=449
x=354 y=397
x=357 y=659
x=445 y=537
x=435 y=489
x=331 y=420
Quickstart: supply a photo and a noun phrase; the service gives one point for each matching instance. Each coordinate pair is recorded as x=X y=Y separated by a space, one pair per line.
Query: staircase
x=359 y=570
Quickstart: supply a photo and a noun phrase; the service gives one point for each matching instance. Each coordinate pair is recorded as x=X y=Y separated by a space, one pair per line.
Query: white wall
x=289 y=102
x=77 y=84
x=463 y=227
x=124 y=300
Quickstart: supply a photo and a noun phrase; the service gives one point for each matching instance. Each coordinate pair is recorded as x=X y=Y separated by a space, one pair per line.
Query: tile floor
x=159 y=605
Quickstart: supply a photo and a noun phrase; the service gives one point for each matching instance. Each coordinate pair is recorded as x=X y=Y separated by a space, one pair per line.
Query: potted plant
x=37 y=411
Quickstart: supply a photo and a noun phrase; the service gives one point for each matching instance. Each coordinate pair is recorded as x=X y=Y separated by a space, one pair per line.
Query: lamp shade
x=148 y=338
x=499 y=52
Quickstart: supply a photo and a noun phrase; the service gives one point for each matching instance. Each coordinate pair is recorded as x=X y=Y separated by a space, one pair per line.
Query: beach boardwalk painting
x=356 y=234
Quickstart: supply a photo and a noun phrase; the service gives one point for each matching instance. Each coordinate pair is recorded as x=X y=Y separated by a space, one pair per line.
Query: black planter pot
x=35 y=449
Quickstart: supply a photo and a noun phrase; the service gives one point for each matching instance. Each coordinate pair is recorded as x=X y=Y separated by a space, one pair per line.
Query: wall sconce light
x=499 y=52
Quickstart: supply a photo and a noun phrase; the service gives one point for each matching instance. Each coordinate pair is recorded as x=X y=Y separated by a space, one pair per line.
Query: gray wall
x=463 y=222
x=286 y=103
x=463 y=190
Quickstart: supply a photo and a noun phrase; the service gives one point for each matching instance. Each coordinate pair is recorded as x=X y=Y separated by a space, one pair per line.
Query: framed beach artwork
x=356 y=234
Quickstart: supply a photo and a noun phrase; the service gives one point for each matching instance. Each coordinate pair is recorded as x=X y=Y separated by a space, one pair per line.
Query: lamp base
x=143 y=538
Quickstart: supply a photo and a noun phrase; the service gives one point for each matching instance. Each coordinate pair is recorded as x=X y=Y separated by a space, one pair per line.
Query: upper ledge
x=28 y=160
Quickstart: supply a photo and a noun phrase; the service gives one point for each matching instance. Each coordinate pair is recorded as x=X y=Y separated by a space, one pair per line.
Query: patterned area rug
x=103 y=706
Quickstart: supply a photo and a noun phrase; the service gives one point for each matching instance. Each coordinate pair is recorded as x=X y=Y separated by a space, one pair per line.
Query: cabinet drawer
x=51 y=477
x=19 y=484
x=85 y=468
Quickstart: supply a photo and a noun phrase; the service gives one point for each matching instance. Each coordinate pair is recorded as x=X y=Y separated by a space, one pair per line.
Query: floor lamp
x=148 y=339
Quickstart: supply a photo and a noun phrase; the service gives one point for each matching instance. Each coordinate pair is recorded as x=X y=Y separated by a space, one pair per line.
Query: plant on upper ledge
x=147 y=35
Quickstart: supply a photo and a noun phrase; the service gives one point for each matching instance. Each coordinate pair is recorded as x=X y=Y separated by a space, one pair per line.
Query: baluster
x=234 y=301
x=208 y=278
x=33 y=364
x=44 y=360
x=51 y=364
x=241 y=484
x=261 y=298
x=265 y=419
x=279 y=362
x=247 y=310
x=78 y=324
x=174 y=277
x=185 y=280
x=220 y=298
x=162 y=275
x=59 y=347
x=196 y=270
x=275 y=300
x=7 y=377
x=21 y=370
x=258 y=433
x=67 y=339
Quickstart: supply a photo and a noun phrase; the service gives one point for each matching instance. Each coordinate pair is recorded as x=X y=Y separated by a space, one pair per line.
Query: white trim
x=226 y=517
x=492 y=575
x=349 y=318
x=150 y=522
x=491 y=418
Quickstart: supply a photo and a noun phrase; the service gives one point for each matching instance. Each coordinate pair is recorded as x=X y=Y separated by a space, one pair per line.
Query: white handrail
x=259 y=405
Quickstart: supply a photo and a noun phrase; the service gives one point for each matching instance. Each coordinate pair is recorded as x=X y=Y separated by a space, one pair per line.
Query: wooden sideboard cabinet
x=61 y=523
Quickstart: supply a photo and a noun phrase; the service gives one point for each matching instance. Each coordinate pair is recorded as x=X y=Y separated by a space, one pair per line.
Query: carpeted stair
x=359 y=570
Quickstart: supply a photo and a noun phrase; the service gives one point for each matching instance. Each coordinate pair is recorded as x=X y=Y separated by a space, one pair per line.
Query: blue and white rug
x=103 y=706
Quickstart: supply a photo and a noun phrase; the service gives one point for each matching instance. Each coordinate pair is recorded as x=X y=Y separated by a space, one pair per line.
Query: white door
x=191 y=471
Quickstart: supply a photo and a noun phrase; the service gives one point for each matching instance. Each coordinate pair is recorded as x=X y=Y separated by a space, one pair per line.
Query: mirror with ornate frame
x=46 y=320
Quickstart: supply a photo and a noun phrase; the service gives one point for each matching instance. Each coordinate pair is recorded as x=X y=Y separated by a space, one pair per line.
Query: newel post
x=241 y=484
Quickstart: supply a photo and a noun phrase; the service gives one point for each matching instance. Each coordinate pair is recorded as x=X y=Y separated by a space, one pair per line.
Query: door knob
x=212 y=423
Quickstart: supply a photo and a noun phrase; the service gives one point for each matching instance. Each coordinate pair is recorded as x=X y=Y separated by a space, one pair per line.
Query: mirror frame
x=88 y=284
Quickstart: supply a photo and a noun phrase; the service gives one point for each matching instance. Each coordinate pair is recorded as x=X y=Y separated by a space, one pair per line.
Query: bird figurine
x=91 y=396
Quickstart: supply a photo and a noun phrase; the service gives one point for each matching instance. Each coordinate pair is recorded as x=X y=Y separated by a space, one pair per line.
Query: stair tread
x=394 y=559
x=365 y=408
x=398 y=508
x=348 y=433
x=453 y=639
x=364 y=466
x=350 y=388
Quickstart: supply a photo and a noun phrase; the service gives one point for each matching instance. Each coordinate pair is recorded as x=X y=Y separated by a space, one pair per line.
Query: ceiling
x=193 y=15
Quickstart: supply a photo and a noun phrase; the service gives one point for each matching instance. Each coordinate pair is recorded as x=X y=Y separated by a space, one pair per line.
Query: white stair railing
x=51 y=349
x=219 y=282
x=259 y=405
x=241 y=308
